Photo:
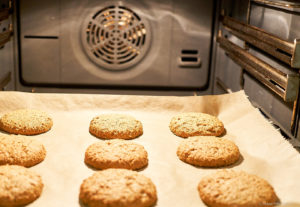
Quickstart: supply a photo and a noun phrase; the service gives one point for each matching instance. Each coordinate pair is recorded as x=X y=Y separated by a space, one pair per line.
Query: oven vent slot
x=189 y=52
x=189 y=59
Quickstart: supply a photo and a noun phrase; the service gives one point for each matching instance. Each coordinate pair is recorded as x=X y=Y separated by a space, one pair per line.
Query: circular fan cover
x=116 y=38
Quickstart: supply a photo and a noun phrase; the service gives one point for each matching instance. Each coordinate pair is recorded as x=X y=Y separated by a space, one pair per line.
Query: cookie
x=18 y=185
x=116 y=153
x=26 y=122
x=21 y=150
x=196 y=124
x=115 y=126
x=208 y=151
x=118 y=188
x=229 y=188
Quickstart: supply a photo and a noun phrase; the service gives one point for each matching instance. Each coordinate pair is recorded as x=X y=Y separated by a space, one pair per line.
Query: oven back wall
x=115 y=43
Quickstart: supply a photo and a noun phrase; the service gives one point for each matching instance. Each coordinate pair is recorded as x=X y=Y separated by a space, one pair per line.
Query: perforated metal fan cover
x=115 y=37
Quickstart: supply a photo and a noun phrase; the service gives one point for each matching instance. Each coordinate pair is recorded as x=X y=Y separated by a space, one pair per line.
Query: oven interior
x=157 y=48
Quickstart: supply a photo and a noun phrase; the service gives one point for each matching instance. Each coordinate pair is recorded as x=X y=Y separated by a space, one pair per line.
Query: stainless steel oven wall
x=279 y=21
x=76 y=43
x=6 y=50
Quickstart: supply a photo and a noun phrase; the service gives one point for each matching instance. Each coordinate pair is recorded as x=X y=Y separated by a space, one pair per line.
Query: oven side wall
x=7 y=78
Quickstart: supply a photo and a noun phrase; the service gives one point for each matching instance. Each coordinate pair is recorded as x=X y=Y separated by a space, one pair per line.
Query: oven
x=237 y=60
x=157 y=48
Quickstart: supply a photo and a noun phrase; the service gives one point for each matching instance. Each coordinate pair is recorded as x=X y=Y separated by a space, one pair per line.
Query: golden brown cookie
x=208 y=151
x=116 y=153
x=196 y=124
x=229 y=188
x=18 y=185
x=116 y=126
x=21 y=150
x=26 y=122
x=118 y=188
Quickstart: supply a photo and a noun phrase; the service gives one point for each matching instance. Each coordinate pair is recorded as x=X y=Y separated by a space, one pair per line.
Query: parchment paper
x=264 y=151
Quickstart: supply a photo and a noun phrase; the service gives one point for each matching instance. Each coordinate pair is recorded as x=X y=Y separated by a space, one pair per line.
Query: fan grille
x=116 y=38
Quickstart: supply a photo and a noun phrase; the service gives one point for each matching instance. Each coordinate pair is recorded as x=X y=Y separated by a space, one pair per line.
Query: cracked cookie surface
x=196 y=124
x=18 y=186
x=229 y=188
x=116 y=153
x=208 y=151
x=115 y=126
x=21 y=150
x=26 y=122
x=118 y=188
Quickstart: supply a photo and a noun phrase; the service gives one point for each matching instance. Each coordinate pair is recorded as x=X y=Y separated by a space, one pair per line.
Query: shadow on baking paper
x=224 y=133
x=220 y=136
x=95 y=169
x=280 y=204
x=240 y=160
x=237 y=163
x=82 y=204
x=3 y=132
x=30 y=135
x=105 y=139
x=91 y=167
x=289 y=205
x=142 y=169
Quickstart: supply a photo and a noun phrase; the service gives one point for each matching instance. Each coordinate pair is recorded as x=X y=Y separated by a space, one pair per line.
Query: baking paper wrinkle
x=264 y=151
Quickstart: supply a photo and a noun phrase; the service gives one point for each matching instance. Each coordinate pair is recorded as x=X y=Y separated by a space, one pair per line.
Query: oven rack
x=5 y=36
x=284 y=85
x=4 y=15
x=281 y=4
x=288 y=52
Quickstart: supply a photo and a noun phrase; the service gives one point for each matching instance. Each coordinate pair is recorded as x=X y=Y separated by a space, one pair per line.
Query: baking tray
x=264 y=151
